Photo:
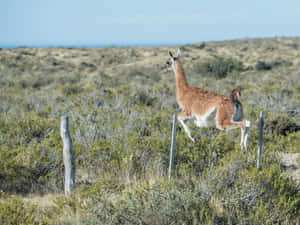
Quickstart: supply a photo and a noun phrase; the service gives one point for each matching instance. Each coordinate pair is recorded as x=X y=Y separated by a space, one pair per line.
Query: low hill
x=120 y=102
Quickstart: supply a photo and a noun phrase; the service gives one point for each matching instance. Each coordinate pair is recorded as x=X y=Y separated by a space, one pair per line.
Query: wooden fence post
x=172 y=151
x=260 y=139
x=68 y=155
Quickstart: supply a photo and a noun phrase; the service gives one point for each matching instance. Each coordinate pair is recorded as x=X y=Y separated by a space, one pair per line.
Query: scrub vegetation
x=120 y=103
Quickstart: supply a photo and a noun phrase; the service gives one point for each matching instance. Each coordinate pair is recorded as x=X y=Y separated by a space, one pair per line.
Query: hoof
x=193 y=139
x=244 y=149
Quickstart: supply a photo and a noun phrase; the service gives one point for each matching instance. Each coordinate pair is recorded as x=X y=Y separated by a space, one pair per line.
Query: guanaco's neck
x=181 y=82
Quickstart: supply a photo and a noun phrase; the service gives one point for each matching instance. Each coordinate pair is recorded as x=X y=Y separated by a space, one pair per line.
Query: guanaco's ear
x=178 y=53
x=171 y=55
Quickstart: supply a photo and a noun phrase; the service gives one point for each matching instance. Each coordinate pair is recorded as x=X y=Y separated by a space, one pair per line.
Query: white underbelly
x=206 y=120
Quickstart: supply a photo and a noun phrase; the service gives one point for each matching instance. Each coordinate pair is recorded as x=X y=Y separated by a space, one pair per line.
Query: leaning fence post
x=68 y=155
x=260 y=139
x=172 y=151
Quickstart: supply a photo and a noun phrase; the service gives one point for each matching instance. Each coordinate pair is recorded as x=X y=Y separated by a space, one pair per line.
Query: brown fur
x=197 y=101
x=207 y=107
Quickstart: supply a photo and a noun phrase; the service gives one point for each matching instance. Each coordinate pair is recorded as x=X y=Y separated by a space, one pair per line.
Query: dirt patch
x=291 y=164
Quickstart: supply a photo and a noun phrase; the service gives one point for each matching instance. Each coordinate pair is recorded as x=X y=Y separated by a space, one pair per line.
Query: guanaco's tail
x=238 y=108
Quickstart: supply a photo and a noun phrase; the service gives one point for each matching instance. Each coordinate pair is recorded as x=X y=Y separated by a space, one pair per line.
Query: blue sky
x=133 y=22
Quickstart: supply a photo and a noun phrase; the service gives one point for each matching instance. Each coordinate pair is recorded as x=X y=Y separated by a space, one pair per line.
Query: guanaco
x=207 y=108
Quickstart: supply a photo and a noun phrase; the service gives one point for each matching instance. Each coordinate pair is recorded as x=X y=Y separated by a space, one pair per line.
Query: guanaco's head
x=172 y=63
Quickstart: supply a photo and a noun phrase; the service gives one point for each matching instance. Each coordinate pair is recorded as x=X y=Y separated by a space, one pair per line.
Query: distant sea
x=91 y=45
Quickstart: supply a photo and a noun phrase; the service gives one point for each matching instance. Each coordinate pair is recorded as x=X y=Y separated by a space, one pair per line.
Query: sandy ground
x=289 y=161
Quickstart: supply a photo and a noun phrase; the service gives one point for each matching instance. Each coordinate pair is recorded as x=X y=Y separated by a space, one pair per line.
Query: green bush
x=243 y=195
x=13 y=210
x=104 y=158
x=264 y=196
x=201 y=46
x=261 y=65
x=71 y=89
x=30 y=156
x=158 y=204
x=218 y=67
x=144 y=99
x=32 y=169
x=194 y=158
x=278 y=63
x=25 y=131
x=281 y=125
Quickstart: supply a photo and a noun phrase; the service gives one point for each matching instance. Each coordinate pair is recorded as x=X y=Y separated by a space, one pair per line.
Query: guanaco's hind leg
x=227 y=124
x=183 y=117
x=224 y=122
x=244 y=126
x=246 y=132
x=244 y=135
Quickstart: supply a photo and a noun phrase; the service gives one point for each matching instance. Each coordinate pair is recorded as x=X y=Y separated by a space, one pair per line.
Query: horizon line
x=93 y=45
x=145 y=44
